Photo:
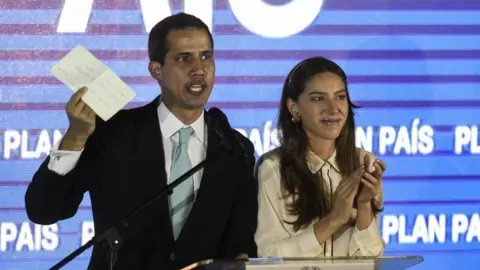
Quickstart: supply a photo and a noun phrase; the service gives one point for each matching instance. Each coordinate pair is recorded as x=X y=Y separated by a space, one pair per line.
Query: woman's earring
x=296 y=118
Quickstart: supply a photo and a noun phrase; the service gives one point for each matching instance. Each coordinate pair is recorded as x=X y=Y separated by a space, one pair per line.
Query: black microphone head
x=244 y=147
x=218 y=122
x=218 y=118
x=233 y=140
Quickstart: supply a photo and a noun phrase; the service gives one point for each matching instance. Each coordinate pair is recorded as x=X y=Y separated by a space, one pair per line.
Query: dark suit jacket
x=122 y=165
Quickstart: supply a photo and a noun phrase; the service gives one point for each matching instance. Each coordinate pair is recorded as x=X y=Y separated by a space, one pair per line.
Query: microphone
x=218 y=122
x=233 y=141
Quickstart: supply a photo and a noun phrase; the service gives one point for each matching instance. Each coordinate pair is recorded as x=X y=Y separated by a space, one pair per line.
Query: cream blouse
x=275 y=238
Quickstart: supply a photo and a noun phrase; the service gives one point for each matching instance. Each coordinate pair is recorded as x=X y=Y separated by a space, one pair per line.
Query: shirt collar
x=170 y=124
x=315 y=163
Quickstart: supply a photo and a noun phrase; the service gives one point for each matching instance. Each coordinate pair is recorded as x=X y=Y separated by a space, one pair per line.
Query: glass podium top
x=332 y=263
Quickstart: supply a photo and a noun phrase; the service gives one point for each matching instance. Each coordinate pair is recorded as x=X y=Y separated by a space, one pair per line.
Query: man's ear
x=155 y=69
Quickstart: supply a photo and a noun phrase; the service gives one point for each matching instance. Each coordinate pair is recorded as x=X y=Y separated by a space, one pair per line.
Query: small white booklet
x=107 y=93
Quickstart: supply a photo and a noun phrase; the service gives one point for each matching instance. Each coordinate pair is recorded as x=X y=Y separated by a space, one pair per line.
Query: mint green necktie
x=181 y=200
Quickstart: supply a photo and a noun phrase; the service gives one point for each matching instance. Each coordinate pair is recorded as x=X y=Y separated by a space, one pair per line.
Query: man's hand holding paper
x=82 y=122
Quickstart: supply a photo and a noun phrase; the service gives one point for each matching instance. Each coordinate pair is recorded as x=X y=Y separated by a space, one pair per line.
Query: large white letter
x=74 y=17
x=462 y=137
x=11 y=142
x=276 y=21
x=390 y=227
x=459 y=226
x=364 y=138
x=386 y=138
x=76 y=13
x=203 y=9
x=8 y=234
x=156 y=10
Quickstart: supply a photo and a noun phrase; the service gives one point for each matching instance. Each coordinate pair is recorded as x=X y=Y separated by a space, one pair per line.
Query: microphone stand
x=112 y=237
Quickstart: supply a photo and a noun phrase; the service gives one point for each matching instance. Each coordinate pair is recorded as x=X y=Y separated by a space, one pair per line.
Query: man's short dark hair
x=157 y=39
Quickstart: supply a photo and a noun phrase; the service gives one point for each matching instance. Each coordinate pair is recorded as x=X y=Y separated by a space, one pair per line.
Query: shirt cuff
x=308 y=243
x=61 y=161
x=368 y=241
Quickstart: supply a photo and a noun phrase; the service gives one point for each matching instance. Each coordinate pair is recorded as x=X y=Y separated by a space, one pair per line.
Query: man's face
x=188 y=73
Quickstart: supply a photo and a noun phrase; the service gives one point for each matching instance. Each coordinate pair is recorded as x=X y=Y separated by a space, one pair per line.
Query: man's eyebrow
x=190 y=53
x=182 y=53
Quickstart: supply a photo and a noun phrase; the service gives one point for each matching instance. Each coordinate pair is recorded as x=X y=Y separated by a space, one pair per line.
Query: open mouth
x=196 y=89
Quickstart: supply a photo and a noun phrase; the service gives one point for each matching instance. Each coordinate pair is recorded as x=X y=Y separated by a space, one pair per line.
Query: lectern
x=332 y=263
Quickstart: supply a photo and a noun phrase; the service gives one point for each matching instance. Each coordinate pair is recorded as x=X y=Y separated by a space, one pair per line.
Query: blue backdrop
x=414 y=66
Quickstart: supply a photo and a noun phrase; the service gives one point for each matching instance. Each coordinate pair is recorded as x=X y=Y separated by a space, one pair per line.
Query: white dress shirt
x=276 y=238
x=63 y=162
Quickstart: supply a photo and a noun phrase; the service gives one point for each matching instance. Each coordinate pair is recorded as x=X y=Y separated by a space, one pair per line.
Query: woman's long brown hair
x=309 y=200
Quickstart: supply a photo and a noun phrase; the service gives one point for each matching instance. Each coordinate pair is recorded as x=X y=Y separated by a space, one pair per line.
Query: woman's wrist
x=364 y=205
x=325 y=227
x=334 y=223
x=364 y=215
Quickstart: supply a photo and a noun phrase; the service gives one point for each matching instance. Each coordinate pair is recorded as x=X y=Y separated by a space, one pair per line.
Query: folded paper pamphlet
x=107 y=93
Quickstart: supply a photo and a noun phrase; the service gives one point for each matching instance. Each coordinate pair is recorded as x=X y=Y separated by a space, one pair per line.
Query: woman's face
x=322 y=106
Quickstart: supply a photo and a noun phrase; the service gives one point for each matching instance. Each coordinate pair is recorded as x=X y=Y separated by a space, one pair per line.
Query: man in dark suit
x=132 y=156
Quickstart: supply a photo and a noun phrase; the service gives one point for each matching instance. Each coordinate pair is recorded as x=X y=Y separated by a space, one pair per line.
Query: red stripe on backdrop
x=331 y=5
x=224 y=4
x=134 y=4
x=30 y=4
x=271 y=79
x=43 y=106
x=27 y=29
x=253 y=54
x=98 y=4
x=229 y=30
x=365 y=30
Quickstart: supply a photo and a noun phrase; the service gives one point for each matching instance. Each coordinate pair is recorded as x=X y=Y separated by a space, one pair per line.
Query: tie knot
x=185 y=134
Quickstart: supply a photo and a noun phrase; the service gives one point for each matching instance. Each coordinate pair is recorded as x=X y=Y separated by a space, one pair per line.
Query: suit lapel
x=152 y=142
x=151 y=154
x=209 y=176
x=209 y=171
